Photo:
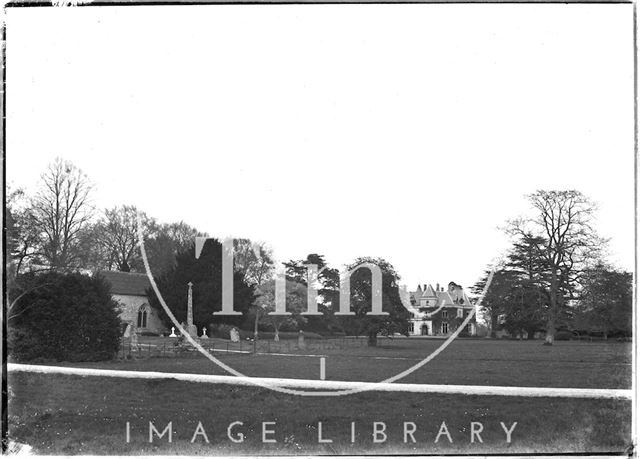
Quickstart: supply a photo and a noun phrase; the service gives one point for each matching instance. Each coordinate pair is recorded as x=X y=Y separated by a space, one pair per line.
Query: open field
x=59 y=414
x=476 y=362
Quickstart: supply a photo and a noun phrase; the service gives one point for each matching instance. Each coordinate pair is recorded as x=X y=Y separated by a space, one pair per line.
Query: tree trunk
x=494 y=320
x=255 y=327
x=553 y=309
x=551 y=332
x=373 y=339
x=277 y=335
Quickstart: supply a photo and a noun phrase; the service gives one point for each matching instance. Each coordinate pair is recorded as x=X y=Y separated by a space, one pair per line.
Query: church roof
x=126 y=283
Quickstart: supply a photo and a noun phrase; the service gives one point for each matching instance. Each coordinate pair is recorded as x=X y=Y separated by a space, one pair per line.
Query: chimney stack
x=437 y=287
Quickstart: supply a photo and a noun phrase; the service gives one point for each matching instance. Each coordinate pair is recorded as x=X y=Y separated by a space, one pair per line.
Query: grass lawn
x=477 y=362
x=74 y=415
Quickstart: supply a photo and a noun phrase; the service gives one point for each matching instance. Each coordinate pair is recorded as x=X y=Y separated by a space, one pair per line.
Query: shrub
x=223 y=331
x=24 y=346
x=149 y=333
x=563 y=335
x=282 y=335
x=220 y=331
x=68 y=317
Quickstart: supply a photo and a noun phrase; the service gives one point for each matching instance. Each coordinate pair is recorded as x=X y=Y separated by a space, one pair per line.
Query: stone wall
x=131 y=305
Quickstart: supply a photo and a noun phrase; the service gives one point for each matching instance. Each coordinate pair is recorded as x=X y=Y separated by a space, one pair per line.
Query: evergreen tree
x=63 y=317
x=205 y=273
x=397 y=321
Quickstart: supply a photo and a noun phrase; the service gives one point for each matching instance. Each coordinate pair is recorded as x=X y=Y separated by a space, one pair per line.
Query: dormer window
x=445 y=314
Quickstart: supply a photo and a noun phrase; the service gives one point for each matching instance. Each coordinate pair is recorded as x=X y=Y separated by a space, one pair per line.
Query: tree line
x=555 y=276
x=59 y=230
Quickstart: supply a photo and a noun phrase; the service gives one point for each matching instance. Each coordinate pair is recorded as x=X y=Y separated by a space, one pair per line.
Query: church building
x=130 y=290
x=439 y=312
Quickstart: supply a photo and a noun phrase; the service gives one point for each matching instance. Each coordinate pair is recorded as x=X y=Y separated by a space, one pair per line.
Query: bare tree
x=254 y=260
x=22 y=233
x=569 y=245
x=61 y=210
x=265 y=303
x=117 y=234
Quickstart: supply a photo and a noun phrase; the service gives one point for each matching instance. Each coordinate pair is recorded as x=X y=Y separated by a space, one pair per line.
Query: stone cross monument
x=191 y=329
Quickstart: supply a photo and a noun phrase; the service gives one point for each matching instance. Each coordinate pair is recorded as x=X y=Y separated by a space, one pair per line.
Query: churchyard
x=67 y=414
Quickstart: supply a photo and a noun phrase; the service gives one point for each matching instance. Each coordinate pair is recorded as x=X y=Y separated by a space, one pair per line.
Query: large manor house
x=439 y=312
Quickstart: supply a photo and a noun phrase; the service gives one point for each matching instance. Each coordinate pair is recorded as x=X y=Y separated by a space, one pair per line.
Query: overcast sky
x=409 y=132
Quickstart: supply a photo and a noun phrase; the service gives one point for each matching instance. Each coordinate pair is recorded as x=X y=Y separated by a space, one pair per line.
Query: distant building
x=130 y=290
x=439 y=312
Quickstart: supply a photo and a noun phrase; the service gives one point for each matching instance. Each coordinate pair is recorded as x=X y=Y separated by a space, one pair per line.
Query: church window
x=142 y=316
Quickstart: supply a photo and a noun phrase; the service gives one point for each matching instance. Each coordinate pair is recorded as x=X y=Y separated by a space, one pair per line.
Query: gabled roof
x=429 y=292
x=467 y=302
x=444 y=296
x=126 y=283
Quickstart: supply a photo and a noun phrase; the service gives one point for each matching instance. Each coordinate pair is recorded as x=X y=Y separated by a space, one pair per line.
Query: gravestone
x=173 y=333
x=134 y=337
x=234 y=335
x=204 y=333
x=127 y=331
x=301 y=343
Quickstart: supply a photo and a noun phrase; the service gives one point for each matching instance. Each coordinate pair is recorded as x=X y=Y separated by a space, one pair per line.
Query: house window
x=445 y=314
x=445 y=328
x=459 y=312
x=411 y=325
x=470 y=329
x=142 y=316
